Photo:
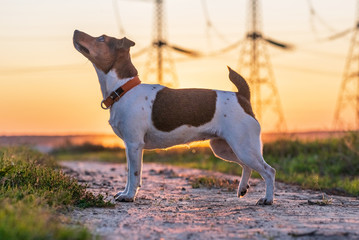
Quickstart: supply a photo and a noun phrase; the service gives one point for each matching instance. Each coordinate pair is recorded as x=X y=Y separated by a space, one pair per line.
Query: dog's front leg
x=134 y=152
x=124 y=192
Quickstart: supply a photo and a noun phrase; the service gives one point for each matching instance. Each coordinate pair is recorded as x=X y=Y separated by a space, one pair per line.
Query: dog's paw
x=124 y=198
x=242 y=191
x=117 y=194
x=264 y=201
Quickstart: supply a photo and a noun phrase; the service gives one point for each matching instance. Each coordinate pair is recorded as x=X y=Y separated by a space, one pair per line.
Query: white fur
x=109 y=82
x=235 y=135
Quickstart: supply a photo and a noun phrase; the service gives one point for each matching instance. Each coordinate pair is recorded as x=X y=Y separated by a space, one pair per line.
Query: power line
x=116 y=11
x=31 y=69
x=37 y=38
x=210 y=25
x=226 y=49
x=314 y=16
x=306 y=69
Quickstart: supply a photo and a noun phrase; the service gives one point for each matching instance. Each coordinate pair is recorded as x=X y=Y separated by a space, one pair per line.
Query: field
x=37 y=197
x=330 y=165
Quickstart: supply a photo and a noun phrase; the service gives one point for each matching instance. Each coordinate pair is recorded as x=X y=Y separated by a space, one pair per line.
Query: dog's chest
x=132 y=113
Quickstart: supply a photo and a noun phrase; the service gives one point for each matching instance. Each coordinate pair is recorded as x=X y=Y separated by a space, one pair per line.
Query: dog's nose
x=76 y=32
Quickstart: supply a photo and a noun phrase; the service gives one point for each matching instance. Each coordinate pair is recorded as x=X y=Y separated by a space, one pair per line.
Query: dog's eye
x=101 y=39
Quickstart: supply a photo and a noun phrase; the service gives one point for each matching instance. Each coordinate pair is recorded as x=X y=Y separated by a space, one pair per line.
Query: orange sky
x=46 y=87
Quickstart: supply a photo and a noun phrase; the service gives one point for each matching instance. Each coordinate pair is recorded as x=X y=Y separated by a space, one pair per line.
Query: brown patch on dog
x=106 y=53
x=173 y=108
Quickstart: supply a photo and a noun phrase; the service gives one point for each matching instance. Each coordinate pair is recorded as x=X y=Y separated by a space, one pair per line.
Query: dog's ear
x=125 y=43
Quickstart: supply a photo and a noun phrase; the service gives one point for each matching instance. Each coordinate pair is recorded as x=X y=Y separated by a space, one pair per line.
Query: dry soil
x=167 y=207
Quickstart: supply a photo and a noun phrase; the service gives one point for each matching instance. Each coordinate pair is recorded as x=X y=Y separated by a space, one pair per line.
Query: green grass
x=35 y=194
x=213 y=182
x=330 y=165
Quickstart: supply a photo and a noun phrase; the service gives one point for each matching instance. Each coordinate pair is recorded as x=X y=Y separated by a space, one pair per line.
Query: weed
x=26 y=220
x=213 y=182
x=323 y=202
x=29 y=171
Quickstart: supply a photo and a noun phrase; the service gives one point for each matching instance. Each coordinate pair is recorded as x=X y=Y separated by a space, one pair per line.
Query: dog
x=152 y=116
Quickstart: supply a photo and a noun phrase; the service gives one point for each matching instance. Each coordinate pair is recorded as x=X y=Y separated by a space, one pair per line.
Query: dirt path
x=168 y=207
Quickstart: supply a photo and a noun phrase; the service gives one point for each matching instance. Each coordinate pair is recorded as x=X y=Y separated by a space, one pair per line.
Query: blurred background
x=47 y=87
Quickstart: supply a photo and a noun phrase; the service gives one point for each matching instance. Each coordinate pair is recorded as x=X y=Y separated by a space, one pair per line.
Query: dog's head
x=106 y=53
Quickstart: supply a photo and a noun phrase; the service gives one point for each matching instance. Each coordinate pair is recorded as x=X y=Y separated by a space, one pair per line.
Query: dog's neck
x=109 y=82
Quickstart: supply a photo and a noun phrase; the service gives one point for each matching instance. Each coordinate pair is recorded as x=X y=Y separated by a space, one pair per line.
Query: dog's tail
x=243 y=94
x=240 y=83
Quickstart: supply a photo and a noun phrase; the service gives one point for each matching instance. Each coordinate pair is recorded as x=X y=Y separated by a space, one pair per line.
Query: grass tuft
x=325 y=201
x=34 y=192
x=30 y=172
x=213 y=182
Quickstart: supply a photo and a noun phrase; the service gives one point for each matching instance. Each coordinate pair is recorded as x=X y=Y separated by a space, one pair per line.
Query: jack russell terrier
x=151 y=116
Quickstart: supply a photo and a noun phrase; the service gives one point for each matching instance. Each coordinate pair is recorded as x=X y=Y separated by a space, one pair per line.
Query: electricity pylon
x=255 y=66
x=347 y=106
x=160 y=66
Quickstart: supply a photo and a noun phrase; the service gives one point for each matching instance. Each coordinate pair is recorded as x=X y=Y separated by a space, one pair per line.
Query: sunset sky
x=47 y=87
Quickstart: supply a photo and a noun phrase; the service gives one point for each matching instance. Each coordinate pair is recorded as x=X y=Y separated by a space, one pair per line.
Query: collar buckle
x=119 y=92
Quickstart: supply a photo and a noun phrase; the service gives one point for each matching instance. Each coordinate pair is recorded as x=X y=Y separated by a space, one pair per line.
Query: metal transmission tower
x=160 y=65
x=255 y=66
x=348 y=100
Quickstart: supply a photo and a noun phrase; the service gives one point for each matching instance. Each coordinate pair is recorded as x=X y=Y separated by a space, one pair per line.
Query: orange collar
x=119 y=92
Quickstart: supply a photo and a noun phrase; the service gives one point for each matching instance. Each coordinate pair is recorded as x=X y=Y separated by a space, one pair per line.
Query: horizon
x=46 y=143
x=64 y=134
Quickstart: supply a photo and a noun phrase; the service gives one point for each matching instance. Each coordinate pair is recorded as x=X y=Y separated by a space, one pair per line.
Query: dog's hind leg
x=245 y=143
x=134 y=153
x=222 y=150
